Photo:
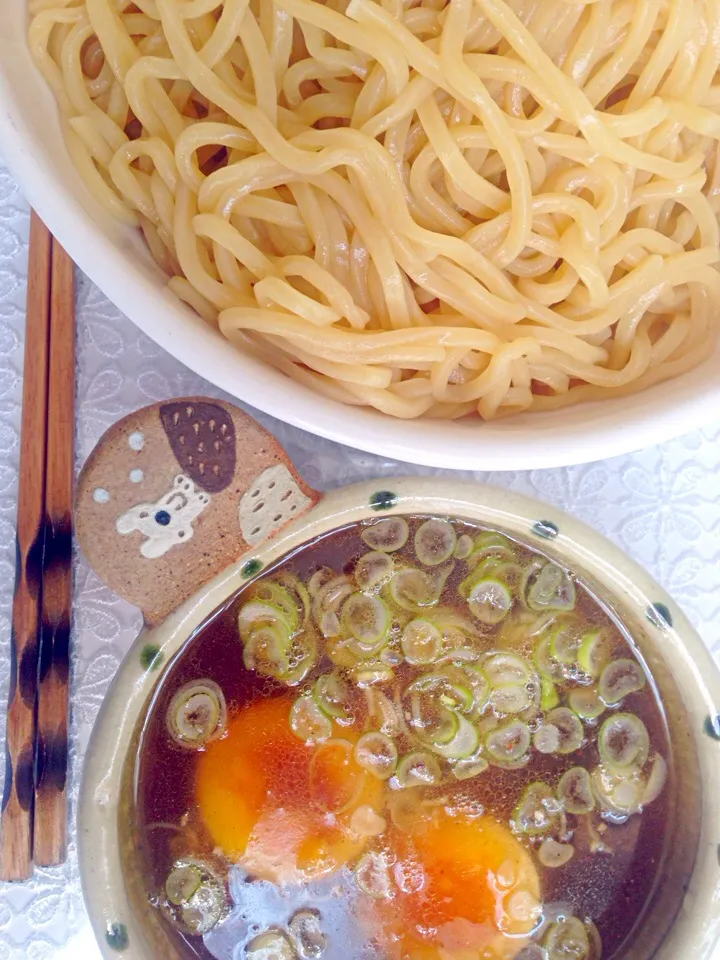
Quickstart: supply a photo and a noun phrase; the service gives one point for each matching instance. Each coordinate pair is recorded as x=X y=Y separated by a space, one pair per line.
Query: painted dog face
x=168 y=521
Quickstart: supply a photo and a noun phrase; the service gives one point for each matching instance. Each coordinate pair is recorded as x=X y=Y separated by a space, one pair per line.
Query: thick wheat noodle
x=434 y=209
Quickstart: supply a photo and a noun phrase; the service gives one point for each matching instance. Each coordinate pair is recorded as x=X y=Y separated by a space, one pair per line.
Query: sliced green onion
x=532 y=951
x=266 y=650
x=523 y=906
x=340 y=654
x=477 y=681
x=572 y=732
x=503 y=669
x=566 y=636
x=491 y=544
x=271 y=653
x=195 y=896
x=623 y=742
x=593 y=652
x=553 y=854
x=537 y=810
x=433 y=706
x=371 y=673
x=327 y=602
x=433 y=722
x=294 y=583
x=373 y=570
x=435 y=542
x=627 y=795
x=332 y=695
x=418 y=769
x=421 y=641
x=255 y=613
x=456 y=630
x=372 y=876
x=493 y=568
x=619 y=679
x=329 y=624
x=595 y=841
x=381 y=712
x=414 y=589
x=434 y=703
x=463 y=744
x=366 y=618
x=595 y=941
x=567 y=939
x=508 y=572
x=365 y=821
x=376 y=753
x=470 y=767
x=655 y=781
x=197 y=714
x=548 y=694
x=297 y=592
x=490 y=601
x=302 y=657
x=367 y=651
x=387 y=535
x=321 y=577
x=507 y=745
x=527 y=579
x=575 y=791
x=546 y=738
x=183 y=881
x=308 y=722
x=463 y=547
x=304 y=928
x=619 y=794
x=457 y=686
x=482 y=570
x=586 y=703
x=551 y=589
x=545 y=663
x=277 y=596
x=271 y=945
x=512 y=698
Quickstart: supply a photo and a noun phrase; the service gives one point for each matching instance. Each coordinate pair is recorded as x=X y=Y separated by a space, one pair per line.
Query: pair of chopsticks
x=34 y=803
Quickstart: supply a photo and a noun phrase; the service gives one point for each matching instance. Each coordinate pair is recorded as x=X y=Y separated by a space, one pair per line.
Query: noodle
x=432 y=207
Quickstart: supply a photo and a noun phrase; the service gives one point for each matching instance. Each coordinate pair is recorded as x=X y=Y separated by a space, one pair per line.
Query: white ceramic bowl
x=117 y=261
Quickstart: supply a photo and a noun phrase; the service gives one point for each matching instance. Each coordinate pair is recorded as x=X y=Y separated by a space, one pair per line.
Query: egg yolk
x=466 y=889
x=279 y=807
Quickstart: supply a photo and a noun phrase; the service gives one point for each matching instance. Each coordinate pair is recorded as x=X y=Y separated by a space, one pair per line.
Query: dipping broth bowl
x=184 y=503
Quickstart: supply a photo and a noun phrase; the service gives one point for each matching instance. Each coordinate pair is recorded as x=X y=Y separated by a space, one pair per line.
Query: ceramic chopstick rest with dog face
x=175 y=492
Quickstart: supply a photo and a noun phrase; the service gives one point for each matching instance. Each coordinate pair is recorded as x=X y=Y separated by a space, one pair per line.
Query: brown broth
x=611 y=889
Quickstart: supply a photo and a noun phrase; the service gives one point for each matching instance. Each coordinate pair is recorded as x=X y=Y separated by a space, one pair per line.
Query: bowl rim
x=697 y=926
x=527 y=441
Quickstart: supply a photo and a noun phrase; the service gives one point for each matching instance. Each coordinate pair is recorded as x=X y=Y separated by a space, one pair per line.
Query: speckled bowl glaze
x=683 y=918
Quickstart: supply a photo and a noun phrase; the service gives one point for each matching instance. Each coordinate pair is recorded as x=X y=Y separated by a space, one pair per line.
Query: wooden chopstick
x=49 y=843
x=33 y=822
x=16 y=820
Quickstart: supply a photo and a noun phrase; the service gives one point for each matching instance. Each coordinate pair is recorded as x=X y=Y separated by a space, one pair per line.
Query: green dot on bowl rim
x=712 y=726
x=116 y=936
x=659 y=615
x=251 y=567
x=383 y=500
x=546 y=529
x=151 y=656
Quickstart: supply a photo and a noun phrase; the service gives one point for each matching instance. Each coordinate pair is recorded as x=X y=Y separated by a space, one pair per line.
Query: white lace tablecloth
x=662 y=505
